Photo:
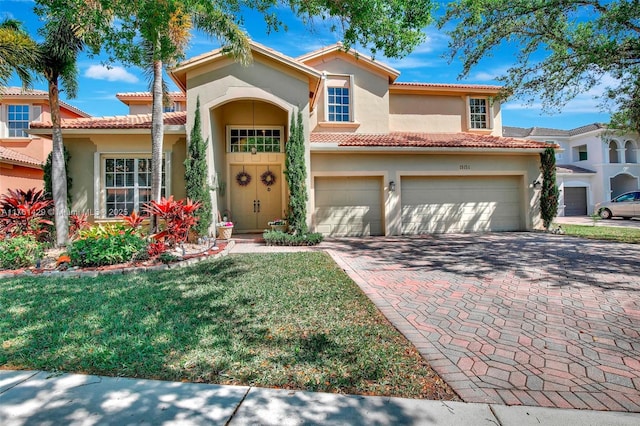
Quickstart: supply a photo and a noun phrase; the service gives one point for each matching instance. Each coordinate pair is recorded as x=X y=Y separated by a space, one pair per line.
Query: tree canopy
x=564 y=48
x=18 y=52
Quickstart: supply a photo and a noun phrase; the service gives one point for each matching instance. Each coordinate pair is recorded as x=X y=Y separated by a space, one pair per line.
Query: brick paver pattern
x=512 y=318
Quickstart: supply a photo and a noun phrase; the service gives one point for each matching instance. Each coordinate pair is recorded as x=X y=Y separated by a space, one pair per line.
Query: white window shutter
x=36 y=113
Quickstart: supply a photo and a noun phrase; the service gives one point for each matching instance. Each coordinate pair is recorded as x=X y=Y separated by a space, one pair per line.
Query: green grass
x=623 y=235
x=288 y=320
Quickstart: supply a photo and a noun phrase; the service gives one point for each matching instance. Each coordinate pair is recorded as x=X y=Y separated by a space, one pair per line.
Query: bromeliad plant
x=178 y=218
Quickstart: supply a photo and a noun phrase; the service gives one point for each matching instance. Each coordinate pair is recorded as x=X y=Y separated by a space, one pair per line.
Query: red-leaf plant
x=178 y=217
x=25 y=213
x=134 y=220
x=77 y=222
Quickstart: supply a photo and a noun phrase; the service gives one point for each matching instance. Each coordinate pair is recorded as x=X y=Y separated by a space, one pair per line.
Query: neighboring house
x=382 y=157
x=594 y=164
x=21 y=154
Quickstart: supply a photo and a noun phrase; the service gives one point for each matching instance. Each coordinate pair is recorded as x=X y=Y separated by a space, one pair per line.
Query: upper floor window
x=266 y=139
x=478 y=113
x=338 y=104
x=172 y=107
x=613 y=152
x=630 y=152
x=18 y=120
x=580 y=153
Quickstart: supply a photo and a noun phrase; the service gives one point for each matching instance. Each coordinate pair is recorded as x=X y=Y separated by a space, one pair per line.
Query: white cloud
x=100 y=72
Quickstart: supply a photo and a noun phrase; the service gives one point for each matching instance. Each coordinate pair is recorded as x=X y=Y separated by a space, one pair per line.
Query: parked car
x=626 y=205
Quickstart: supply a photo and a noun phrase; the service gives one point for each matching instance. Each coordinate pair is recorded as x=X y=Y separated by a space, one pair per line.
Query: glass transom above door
x=262 y=139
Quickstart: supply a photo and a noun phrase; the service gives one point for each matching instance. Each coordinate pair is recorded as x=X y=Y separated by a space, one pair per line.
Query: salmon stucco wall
x=14 y=176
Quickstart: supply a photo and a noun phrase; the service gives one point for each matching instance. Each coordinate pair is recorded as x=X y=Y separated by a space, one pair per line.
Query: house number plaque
x=465 y=167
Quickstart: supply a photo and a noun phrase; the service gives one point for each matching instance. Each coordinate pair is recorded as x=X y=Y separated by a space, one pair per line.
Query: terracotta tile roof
x=571 y=169
x=524 y=132
x=140 y=121
x=426 y=140
x=12 y=156
x=176 y=96
x=18 y=92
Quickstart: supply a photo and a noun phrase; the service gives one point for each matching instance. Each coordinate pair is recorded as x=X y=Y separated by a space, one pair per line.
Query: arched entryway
x=622 y=183
x=249 y=156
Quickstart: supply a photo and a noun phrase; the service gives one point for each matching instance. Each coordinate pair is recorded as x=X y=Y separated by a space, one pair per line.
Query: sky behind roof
x=98 y=84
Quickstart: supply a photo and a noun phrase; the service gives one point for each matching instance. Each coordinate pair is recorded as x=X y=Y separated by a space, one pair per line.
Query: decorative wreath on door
x=268 y=178
x=243 y=178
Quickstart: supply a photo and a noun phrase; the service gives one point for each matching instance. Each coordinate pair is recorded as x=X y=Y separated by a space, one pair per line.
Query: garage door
x=461 y=204
x=348 y=206
x=575 y=201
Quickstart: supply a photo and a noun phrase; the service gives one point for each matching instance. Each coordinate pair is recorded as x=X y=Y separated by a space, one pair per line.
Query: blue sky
x=99 y=84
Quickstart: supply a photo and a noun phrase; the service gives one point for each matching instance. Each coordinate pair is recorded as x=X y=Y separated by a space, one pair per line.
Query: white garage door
x=348 y=206
x=461 y=204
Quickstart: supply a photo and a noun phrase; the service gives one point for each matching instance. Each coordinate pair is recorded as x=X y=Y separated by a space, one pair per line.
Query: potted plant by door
x=224 y=230
x=278 y=225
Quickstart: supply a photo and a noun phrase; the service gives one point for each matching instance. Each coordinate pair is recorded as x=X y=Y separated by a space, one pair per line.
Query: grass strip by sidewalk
x=610 y=233
x=282 y=320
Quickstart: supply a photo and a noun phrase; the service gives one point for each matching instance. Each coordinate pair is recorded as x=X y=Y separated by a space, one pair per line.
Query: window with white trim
x=262 y=139
x=18 y=121
x=127 y=184
x=478 y=113
x=338 y=104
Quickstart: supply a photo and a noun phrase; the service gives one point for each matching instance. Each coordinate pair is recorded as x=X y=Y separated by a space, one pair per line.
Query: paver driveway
x=513 y=318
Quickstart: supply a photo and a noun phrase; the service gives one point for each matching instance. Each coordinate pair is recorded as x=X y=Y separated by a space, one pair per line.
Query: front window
x=127 y=184
x=338 y=104
x=478 y=118
x=255 y=140
x=18 y=121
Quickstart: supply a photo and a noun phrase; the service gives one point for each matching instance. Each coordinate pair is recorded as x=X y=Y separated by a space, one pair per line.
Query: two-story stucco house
x=595 y=164
x=382 y=157
x=22 y=155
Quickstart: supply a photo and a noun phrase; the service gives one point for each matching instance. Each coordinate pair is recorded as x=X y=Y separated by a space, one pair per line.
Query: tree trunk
x=58 y=172
x=157 y=136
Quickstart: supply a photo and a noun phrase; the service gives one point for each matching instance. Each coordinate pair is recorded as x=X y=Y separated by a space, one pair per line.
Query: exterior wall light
x=537 y=184
x=392 y=186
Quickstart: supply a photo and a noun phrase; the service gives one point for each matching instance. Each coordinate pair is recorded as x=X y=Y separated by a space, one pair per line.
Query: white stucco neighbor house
x=594 y=164
x=383 y=157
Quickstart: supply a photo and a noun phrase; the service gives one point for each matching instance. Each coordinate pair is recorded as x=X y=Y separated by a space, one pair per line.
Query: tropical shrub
x=134 y=220
x=77 y=222
x=20 y=252
x=26 y=213
x=105 y=245
x=279 y=238
x=178 y=218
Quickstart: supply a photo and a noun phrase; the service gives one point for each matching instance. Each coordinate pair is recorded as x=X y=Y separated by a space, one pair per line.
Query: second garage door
x=575 y=201
x=348 y=206
x=461 y=204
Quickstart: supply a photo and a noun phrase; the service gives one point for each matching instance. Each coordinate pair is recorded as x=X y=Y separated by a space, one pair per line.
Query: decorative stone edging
x=125 y=270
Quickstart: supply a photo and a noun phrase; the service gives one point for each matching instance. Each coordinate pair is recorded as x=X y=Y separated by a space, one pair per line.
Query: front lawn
x=622 y=235
x=287 y=320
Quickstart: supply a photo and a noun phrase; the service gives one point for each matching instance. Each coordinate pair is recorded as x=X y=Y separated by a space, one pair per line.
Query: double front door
x=256 y=196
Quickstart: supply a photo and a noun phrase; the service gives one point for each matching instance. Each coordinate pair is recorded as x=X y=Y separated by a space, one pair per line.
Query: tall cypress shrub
x=550 y=193
x=196 y=174
x=296 y=173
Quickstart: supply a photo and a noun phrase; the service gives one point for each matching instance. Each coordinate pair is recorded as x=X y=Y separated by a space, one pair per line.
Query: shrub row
x=279 y=238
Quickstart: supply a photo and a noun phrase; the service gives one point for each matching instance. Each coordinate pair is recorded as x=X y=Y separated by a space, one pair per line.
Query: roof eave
x=168 y=130
x=335 y=147
x=21 y=163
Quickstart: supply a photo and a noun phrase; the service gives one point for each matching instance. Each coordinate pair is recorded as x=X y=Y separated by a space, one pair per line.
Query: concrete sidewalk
x=35 y=398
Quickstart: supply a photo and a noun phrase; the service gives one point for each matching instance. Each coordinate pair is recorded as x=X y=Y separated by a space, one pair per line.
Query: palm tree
x=164 y=27
x=18 y=52
x=59 y=53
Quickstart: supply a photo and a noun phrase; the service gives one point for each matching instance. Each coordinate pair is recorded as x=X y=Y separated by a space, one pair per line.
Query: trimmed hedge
x=279 y=238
